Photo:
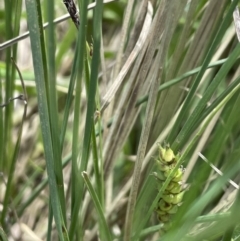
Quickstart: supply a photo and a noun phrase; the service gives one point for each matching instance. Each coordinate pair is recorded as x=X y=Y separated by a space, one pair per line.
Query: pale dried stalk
x=119 y=80
x=163 y=20
x=125 y=117
x=123 y=36
x=236 y=18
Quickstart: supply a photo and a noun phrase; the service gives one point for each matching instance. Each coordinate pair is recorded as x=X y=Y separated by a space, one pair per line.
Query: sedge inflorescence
x=173 y=194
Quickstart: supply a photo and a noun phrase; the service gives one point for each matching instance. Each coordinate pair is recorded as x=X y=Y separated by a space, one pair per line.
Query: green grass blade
x=181 y=78
x=3 y=236
x=202 y=202
x=1 y=127
x=186 y=130
x=65 y=45
x=40 y=76
x=105 y=233
x=91 y=101
x=69 y=97
x=217 y=39
x=75 y=136
x=217 y=101
x=50 y=220
x=76 y=71
x=53 y=107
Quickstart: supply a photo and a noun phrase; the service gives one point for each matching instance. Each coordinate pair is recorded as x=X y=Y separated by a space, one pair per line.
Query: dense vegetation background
x=84 y=110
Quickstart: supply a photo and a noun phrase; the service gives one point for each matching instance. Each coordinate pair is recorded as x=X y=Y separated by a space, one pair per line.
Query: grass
x=84 y=110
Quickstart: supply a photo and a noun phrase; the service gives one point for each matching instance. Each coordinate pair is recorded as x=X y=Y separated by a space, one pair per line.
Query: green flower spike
x=164 y=205
x=173 y=194
x=173 y=199
x=166 y=154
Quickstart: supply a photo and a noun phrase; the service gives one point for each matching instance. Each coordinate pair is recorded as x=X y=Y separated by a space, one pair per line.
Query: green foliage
x=91 y=107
